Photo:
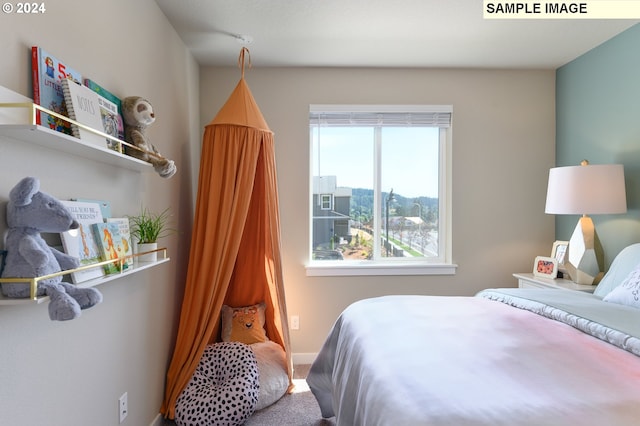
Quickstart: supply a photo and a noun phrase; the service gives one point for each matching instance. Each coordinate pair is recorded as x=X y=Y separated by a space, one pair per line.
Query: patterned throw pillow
x=244 y=324
x=627 y=293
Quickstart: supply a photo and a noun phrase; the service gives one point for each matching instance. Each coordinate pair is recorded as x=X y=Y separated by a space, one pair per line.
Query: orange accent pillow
x=244 y=324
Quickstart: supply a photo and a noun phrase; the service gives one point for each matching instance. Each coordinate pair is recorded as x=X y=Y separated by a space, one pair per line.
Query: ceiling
x=378 y=33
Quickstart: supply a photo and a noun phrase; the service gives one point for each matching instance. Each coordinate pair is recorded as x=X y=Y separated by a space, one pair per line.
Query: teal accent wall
x=598 y=119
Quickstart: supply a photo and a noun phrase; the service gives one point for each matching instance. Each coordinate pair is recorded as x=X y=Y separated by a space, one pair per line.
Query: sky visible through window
x=409 y=158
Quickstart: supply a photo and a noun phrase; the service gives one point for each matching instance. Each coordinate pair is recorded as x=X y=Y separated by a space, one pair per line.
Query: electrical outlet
x=295 y=322
x=123 y=407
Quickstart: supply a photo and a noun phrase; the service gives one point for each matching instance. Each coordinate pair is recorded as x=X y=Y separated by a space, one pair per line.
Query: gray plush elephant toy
x=30 y=212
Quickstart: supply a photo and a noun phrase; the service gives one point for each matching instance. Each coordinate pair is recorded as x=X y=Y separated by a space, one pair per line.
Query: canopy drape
x=235 y=248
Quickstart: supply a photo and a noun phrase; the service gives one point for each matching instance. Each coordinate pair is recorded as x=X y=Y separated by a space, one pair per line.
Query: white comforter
x=426 y=360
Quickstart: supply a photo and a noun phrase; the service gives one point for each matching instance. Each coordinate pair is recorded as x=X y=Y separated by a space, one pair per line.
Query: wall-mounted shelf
x=137 y=267
x=18 y=121
x=47 y=138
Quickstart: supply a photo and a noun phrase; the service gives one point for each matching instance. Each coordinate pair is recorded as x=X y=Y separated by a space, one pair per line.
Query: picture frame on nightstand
x=545 y=267
x=558 y=252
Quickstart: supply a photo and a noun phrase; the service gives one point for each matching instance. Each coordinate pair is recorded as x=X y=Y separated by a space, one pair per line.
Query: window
x=380 y=189
x=325 y=201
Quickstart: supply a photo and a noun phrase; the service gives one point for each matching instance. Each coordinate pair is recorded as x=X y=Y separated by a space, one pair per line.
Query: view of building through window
x=375 y=190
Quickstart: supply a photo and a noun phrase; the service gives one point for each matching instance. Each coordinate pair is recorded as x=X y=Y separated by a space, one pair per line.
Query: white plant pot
x=150 y=257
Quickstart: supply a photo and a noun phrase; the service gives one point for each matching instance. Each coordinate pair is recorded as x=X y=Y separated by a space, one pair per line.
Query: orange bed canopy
x=235 y=249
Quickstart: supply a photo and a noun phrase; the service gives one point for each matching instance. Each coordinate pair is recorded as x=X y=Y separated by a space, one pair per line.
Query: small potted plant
x=146 y=229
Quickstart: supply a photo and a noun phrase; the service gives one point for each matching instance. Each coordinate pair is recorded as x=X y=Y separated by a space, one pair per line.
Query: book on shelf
x=110 y=244
x=125 y=238
x=81 y=242
x=82 y=106
x=111 y=112
x=47 y=74
x=105 y=206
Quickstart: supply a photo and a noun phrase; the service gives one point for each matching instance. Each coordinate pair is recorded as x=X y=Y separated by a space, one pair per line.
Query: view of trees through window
x=375 y=191
x=412 y=226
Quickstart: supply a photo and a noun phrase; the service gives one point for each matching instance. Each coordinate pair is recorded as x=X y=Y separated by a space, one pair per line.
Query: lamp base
x=585 y=256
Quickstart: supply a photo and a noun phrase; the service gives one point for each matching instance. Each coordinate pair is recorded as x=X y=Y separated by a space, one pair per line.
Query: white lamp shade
x=586 y=190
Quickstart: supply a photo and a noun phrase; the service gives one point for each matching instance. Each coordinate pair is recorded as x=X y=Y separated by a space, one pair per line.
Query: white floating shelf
x=137 y=267
x=51 y=139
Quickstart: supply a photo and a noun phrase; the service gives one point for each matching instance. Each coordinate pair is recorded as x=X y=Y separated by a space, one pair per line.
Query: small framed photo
x=558 y=252
x=545 y=267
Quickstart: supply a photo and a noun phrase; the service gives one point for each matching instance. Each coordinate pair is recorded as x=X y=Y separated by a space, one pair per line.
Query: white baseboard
x=303 y=358
x=158 y=421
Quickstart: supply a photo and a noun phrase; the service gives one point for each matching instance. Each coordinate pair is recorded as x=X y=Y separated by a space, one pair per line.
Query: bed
x=506 y=356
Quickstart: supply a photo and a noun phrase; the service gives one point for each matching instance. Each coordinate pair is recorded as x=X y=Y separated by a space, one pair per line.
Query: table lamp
x=586 y=190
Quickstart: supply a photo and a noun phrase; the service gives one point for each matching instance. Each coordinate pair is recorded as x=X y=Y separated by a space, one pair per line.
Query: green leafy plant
x=148 y=227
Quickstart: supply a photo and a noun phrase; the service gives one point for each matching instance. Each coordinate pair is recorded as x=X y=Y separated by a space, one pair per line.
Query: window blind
x=383 y=118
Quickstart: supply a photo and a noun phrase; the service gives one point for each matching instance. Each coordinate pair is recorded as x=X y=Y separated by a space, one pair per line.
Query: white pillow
x=623 y=263
x=627 y=293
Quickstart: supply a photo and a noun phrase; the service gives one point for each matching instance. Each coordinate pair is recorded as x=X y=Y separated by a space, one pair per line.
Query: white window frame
x=443 y=265
x=327 y=197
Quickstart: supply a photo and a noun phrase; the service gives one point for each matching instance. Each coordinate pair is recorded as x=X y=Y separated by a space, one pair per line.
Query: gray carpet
x=296 y=409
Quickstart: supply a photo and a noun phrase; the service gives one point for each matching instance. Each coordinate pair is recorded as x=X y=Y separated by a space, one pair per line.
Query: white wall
x=72 y=373
x=503 y=147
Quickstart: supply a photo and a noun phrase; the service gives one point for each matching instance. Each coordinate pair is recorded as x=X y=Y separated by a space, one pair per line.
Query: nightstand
x=531 y=281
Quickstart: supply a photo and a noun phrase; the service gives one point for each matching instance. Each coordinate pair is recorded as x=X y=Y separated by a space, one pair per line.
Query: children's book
x=80 y=242
x=110 y=244
x=83 y=106
x=47 y=75
x=105 y=206
x=111 y=109
x=125 y=238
